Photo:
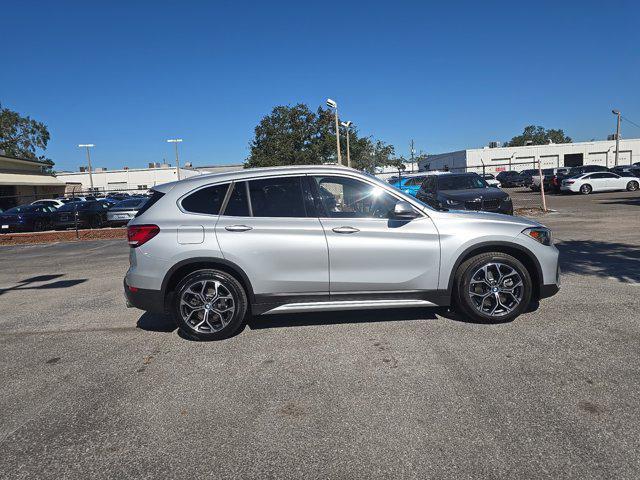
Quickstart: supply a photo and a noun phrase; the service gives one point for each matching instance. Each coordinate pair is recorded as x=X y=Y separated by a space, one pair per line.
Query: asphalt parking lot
x=89 y=388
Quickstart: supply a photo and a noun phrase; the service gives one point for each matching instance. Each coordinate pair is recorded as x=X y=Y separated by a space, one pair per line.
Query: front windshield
x=460 y=182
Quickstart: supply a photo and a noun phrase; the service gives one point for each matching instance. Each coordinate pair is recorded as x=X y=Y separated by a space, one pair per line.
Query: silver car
x=123 y=211
x=212 y=249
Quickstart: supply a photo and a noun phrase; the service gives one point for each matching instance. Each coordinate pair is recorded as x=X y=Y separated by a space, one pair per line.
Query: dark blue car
x=26 y=218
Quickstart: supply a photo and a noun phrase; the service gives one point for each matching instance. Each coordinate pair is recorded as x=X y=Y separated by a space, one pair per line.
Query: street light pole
x=346 y=125
x=176 y=141
x=334 y=105
x=617 y=112
x=88 y=146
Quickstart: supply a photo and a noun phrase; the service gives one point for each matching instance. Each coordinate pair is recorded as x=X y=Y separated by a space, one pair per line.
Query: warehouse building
x=493 y=158
x=133 y=180
x=23 y=180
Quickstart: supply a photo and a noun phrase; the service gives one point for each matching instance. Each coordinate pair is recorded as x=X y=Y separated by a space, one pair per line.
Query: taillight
x=569 y=182
x=140 y=234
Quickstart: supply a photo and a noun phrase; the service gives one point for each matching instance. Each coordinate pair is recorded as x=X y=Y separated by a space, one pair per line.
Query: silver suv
x=212 y=249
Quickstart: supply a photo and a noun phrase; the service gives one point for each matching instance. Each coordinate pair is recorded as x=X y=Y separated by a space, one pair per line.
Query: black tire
x=467 y=304
x=221 y=326
x=38 y=226
x=586 y=189
x=95 y=221
x=632 y=186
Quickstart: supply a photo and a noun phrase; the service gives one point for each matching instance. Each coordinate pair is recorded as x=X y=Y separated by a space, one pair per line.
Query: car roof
x=247 y=173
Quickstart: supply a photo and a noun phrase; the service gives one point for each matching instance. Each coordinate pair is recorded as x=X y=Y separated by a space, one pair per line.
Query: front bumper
x=143 y=299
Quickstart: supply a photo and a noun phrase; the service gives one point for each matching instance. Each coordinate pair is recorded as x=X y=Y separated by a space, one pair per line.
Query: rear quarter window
x=207 y=200
x=155 y=196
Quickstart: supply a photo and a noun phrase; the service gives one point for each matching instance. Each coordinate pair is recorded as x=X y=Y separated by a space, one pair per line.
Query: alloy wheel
x=207 y=306
x=496 y=289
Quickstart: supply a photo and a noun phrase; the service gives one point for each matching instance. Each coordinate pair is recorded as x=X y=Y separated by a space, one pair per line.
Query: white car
x=586 y=183
x=490 y=179
x=49 y=202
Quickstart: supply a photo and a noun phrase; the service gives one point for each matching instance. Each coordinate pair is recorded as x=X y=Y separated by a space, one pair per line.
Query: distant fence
x=10 y=201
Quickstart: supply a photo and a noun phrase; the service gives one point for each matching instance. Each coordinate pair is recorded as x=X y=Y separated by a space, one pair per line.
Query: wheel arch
x=183 y=268
x=523 y=254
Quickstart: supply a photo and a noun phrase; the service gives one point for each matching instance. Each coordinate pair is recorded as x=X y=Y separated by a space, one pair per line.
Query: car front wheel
x=209 y=305
x=492 y=287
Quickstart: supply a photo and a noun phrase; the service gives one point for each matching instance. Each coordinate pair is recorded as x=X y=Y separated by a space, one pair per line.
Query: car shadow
x=155 y=322
x=27 y=283
x=340 y=317
x=601 y=259
x=633 y=201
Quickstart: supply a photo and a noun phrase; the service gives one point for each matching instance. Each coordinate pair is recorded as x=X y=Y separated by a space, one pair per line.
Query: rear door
x=369 y=253
x=270 y=229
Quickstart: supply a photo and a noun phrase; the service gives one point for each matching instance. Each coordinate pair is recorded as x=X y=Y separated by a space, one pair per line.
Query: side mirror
x=404 y=211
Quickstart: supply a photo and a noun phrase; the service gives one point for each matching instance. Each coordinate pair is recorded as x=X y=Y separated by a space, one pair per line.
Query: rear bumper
x=148 y=300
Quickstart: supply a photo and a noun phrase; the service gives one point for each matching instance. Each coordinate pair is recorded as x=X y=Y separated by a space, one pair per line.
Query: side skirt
x=297 y=303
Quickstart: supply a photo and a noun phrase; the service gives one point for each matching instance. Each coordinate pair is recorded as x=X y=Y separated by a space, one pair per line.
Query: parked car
x=26 y=218
x=123 y=211
x=49 y=202
x=632 y=169
x=587 y=183
x=527 y=176
x=323 y=238
x=510 y=178
x=412 y=184
x=92 y=214
x=574 y=171
x=630 y=173
x=552 y=179
x=463 y=191
x=490 y=179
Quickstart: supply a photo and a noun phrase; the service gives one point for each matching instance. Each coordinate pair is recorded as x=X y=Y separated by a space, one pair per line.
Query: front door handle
x=238 y=228
x=345 y=230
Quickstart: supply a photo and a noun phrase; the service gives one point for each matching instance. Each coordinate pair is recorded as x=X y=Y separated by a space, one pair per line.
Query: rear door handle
x=345 y=230
x=238 y=228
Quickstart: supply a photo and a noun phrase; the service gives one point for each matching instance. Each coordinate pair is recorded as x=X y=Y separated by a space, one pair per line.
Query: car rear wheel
x=209 y=305
x=586 y=189
x=38 y=225
x=632 y=186
x=492 y=287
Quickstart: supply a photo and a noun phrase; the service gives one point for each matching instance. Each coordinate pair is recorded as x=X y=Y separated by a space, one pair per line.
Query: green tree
x=22 y=136
x=297 y=136
x=538 y=136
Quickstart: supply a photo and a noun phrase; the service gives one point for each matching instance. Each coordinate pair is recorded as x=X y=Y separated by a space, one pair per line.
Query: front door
x=368 y=251
x=269 y=229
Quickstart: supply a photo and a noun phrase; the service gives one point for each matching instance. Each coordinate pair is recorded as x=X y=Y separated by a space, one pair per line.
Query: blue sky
x=128 y=75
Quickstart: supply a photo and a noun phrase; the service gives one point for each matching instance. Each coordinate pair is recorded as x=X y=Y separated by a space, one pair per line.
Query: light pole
x=88 y=146
x=617 y=112
x=346 y=125
x=334 y=105
x=176 y=141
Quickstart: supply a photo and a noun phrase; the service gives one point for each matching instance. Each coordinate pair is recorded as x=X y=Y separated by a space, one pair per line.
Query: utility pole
x=617 y=112
x=176 y=141
x=334 y=105
x=544 y=200
x=413 y=151
x=346 y=126
x=88 y=146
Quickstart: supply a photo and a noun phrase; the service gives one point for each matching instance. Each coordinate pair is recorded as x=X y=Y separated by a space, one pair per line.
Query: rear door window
x=207 y=200
x=277 y=197
x=238 y=205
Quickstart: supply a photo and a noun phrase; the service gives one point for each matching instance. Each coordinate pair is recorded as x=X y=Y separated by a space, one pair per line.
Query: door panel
x=368 y=251
x=383 y=255
x=283 y=253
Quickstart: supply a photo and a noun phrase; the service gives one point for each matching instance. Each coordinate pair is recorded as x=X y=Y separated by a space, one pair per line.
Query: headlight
x=539 y=234
x=453 y=202
x=507 y=198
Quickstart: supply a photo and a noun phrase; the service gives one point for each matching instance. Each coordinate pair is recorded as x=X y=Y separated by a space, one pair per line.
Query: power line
x=629 y=121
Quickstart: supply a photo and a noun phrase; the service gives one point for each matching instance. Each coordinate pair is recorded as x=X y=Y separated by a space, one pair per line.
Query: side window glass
x=344 y=197
x=238 y=205
x=277 y=197
x=206 y=200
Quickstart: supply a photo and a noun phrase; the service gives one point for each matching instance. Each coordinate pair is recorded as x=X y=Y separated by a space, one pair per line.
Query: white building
x=130 y=179
x=521 y=158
